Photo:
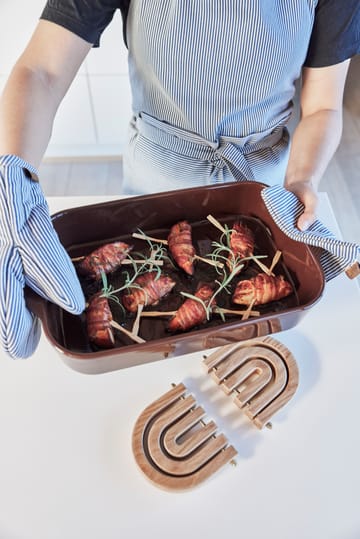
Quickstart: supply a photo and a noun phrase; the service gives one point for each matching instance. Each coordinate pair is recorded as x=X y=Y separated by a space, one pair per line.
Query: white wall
x=93 y=118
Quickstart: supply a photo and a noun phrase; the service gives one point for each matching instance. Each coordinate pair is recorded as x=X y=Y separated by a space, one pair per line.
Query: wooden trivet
x=261 y=373
x=173 y=446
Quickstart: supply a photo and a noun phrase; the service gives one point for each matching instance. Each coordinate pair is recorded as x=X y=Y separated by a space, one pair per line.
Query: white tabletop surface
x=67 y=470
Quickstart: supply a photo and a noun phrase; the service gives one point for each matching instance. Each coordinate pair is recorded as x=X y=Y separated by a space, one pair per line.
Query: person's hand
x=30 y=254
x=307 y=194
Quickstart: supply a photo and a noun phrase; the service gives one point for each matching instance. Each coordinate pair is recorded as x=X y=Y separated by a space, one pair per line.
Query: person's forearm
x=316 y=136
x=35 y=89
x=27 y=109
x=313 y=145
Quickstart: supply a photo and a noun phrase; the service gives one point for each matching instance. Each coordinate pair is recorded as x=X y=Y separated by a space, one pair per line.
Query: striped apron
x=212 y=84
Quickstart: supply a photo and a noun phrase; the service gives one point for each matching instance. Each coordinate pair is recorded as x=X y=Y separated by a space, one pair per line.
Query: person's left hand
x=307 y=194
x=30 y=254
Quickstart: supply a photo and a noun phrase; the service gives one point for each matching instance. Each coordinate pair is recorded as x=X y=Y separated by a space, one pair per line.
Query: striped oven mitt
x=334 y=255
x=30 y=254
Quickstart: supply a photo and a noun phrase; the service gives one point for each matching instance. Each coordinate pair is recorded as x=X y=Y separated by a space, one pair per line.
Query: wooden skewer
x=125 y=262
x=232 y=311
x=216 y=223
x=135 y=328
x=151 y=259
x=145 y=237
x=157 y=262
x=158 y=313
x=248 y=310
x=262 y=266
x=151 y=314
x=275 y=260
x=135 y=338
x=165 y=242
x=211 y=262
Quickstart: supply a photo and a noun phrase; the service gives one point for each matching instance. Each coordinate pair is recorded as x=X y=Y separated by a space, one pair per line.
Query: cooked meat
x=104 y=259
x=181 y=247
x=241 y=243
x=192 y=313
x=98 y=322
x=261 y=289
x=147 y=290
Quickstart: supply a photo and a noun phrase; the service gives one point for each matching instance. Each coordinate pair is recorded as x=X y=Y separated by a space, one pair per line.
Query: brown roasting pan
x=83 y=229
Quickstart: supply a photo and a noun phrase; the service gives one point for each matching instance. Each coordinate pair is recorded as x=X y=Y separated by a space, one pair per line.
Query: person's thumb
x=305 y=220
x=309 y=199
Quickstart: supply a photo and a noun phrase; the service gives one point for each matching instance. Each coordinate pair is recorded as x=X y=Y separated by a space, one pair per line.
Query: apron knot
x=231 y=156
x=218 y=160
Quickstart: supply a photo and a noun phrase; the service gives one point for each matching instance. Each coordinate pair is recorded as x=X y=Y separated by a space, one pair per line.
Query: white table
x=67 y=470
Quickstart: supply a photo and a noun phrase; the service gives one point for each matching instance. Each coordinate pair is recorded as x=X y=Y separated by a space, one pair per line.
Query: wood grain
x=261 y=373
x=160 y=453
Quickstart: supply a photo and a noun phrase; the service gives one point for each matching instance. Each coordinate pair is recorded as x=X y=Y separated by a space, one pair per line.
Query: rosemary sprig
x=108 y=292
x=199 y=300
x=148 y=264
x=140 y=265
x=227 y=278
x=142 y=236
x=129 y=282
x=222 y=285
x=233 y=261
x=157 y=246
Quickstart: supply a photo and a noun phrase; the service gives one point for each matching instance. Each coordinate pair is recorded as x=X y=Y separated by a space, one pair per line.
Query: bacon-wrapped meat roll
x=181 y=247
x=261 y=289
x=148 y=291
x=192 y=313
x=106 y=258
x=98 y=322
x=242 y=243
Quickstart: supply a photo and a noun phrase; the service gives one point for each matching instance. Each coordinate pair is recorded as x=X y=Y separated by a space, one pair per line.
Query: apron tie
x=230 y=156
x=229 y=152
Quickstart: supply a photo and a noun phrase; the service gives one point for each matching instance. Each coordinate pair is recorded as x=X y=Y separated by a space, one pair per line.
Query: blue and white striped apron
x=212 y=84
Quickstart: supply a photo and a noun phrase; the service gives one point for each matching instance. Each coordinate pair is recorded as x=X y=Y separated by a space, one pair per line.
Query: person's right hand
x=307 y=194
x=30 y=254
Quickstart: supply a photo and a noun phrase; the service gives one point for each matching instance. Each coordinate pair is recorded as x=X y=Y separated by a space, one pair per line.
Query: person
x=212 y=83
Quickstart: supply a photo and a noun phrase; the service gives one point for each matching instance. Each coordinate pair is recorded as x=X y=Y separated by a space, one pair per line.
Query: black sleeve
x=85 y=18
x=336 y=33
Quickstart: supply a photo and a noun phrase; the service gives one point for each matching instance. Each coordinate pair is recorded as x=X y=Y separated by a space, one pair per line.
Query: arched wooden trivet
x=172 y=445
x=262 y=373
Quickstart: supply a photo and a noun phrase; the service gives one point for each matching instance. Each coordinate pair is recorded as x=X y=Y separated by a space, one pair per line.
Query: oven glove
x=30 y=254
x=334 y=255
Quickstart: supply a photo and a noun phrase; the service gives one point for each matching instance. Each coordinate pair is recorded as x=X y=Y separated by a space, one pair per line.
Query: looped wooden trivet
x=261 y=373
x=173 y=446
